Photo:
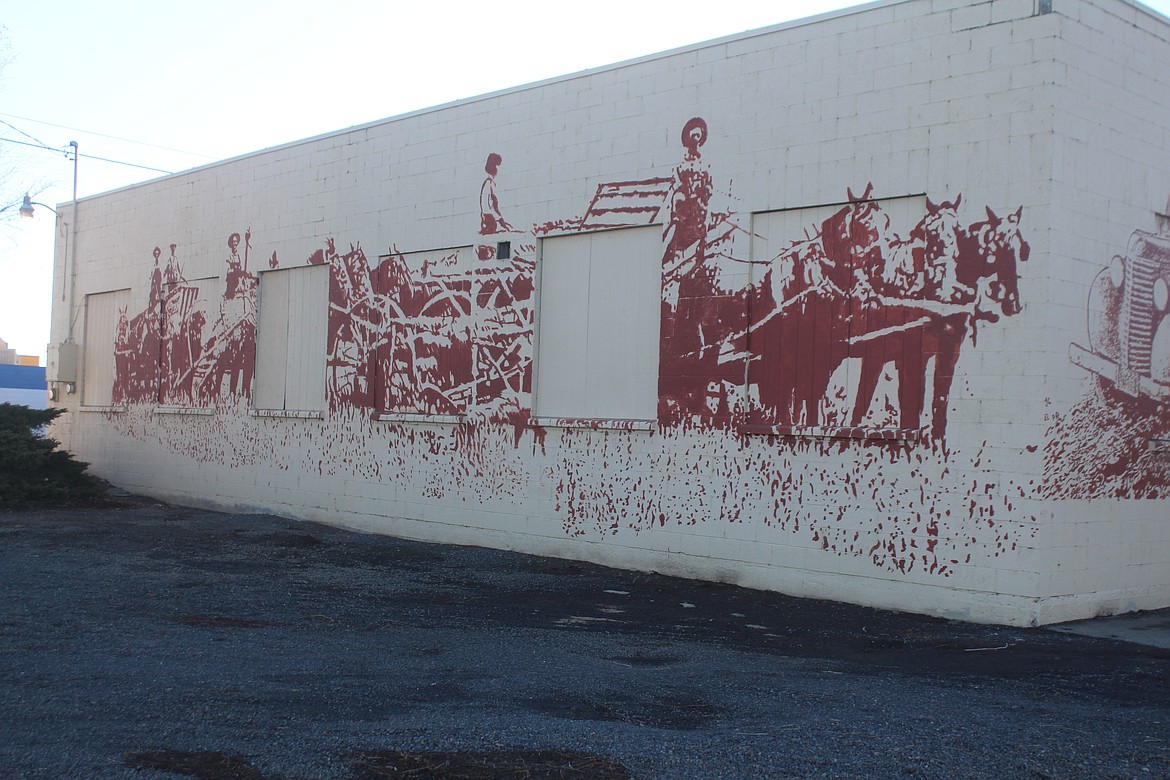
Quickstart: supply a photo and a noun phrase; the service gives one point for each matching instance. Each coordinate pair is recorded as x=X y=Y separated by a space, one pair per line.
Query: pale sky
x=178 y=85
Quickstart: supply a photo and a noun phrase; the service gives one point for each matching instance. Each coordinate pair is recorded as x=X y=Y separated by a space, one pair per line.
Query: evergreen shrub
x=33 y=471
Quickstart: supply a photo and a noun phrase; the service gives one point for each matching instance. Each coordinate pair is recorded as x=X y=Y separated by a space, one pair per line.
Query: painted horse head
x=855 y=238
x=993 y=251
x=868 y=226
x=940 y=234
x=940 y=229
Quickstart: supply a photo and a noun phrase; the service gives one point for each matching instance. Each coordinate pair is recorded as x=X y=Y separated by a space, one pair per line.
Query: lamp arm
x=45 y=206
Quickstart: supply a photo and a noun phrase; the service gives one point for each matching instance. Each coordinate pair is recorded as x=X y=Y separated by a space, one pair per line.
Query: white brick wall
x=1109 y=178
x=1062 y=114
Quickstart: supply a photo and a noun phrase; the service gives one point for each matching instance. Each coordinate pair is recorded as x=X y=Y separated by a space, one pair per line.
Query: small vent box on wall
x=62 y=362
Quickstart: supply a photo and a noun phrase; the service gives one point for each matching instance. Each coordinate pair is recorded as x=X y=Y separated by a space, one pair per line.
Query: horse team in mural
x=886 y=300
x=452 y=333
x=852 y=289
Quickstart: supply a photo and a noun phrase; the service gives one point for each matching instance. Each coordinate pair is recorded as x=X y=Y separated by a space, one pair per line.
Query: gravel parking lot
x=159 y=642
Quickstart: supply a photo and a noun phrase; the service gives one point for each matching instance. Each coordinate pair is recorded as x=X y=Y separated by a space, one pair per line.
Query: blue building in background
x=24 y=385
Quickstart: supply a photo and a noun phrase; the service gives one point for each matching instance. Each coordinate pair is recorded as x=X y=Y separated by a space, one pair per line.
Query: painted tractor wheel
x=1104 y=311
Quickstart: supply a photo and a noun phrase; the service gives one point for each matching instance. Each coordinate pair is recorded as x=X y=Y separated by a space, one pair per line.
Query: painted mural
x=1113 y=443
x=162 y=355
x=806 y=393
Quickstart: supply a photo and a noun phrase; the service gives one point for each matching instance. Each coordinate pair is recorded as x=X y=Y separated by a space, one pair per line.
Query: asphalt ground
x=161 y=642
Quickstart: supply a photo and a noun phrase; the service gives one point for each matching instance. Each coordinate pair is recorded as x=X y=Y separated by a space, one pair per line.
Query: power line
x=37 y=145
x=119 y=162
x=103 y=135
x=26 y=135
x=86 y=156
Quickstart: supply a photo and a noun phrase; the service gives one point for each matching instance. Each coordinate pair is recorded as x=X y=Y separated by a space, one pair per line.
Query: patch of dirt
x=554 y=566
x=210 y=621
x=203 y=764
x=681 y=713
x=293 y=540
x=496 y=765
x=649 y=661
x=104 y=496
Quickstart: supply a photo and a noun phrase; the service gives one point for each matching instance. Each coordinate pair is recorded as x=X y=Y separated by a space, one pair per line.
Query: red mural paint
x=852 y=290
x=688 y=201
x=136 y=347
x=182 y=336
x=457 y=332
x=354 y=327
x=424 y=348
x=162 y=356
x=503 y=313
x=451 y=333
x=858 y=290
x=697 y=385
x=491 y=221
x=228 y=359
x=442 y=336
x=1114 y=442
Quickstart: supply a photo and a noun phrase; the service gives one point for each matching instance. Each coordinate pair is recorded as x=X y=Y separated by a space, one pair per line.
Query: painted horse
x=979 y=264
x=815 y=295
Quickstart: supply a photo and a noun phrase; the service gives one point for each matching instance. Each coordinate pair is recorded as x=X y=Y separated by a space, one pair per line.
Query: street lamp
x=26 y=208
x=28 y=212
x=65 y=353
